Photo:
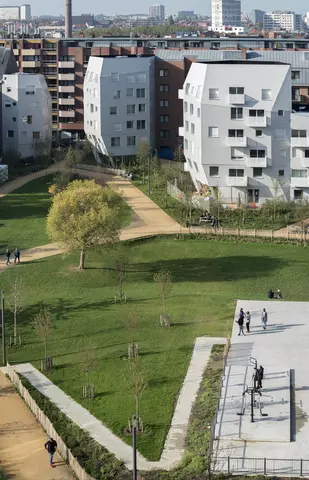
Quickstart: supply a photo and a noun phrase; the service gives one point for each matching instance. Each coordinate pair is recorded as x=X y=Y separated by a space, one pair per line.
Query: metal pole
x=3 y=328
x=149 y=174
x=252 y=405
x=134 y=448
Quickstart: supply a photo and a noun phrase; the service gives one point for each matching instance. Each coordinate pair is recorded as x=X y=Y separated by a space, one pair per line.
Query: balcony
x=236 y=141
x=305 y=162
x=31 y=51
x=32 y=64
x=66 y=113
x=256 y=121
x=66 y=64
x=237 y=181
x=180 y=94
x=181 y=131
x=15 y=51
x=299 y=141
x=301 y=182
x=66 y=76
x=237 y=99
x=66 y=101
x=258 y=162
x=67 y=89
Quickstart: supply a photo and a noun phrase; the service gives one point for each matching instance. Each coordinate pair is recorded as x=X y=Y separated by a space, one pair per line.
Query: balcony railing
x=236 y=141
x=300 y=141
x=306 y=162
x=66 y=76
x=258 y=162
x=66 y=64
x=237 y=99
x=67 y=89
x=300 y=182
x=256 y=121
x=66 y=101
x=67 y=113
x=237 y=181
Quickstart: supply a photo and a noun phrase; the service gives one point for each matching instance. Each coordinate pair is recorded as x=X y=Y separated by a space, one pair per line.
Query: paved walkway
x=174 y=447
x=22 y=453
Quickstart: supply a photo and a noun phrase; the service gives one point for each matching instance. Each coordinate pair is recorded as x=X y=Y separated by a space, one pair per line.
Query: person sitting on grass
x=270 y=293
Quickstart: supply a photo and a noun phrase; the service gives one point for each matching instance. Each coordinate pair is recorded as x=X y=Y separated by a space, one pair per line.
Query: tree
x=188 y=191
x=84 y=216
x=121 y=266
x=43 y=325
x=278 y=193
x=138 y=383
x=11 y=158
x=16 y=300
x=163 y=281
x=88 y=358
x=71 y=158
x=142 y=158
x=217 y=194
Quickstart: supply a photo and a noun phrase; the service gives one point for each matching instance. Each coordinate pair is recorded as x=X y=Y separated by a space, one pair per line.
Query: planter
x=165 y=321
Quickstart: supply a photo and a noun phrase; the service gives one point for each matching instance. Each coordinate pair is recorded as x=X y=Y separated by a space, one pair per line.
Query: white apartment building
x=25 y=12
x=119 y=106
x=237 y=129
x=225 y=12
x=8 y=12
x=157 y=11
x=283 y=20
x=26 y=114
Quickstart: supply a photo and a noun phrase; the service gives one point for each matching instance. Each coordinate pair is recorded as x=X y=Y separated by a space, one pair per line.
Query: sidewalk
x=22 y=441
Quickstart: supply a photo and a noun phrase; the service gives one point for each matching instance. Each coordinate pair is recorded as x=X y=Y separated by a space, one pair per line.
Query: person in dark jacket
x=240 y=322
x=16 y=255
x=51 y=447
x=8 y=256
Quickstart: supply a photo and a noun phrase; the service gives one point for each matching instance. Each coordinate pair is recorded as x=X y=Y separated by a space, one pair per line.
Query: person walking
x=51 y=447
x=8 y=256
x=16 y=255
x=240 y=322
x=264 y=318
x=248 y=319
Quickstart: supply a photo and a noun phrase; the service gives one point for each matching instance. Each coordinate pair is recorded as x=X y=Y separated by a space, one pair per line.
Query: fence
x=48 y=427
x=261 y=466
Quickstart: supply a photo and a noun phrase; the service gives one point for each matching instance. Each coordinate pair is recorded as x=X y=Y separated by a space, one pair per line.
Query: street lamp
x=3 y=329
x=134 y=427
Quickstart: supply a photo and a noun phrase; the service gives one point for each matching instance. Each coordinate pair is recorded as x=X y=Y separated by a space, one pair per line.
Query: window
x=164 y=88
x=130 y=92
x=187 y=88
x=236 y=154
x=141 y=92
x=118 y=127
x=257 y=153
x=259 y=133
x=281 y=173
x=192 y=128
x=299 y=133
x=115 y=77
x=141 y=124
x=214 y=171
x=27 y=119
x=214 y=94
x=257 y=172
x=295 y=74
x=186 y=126
x=195 y=166
x=131 y=141
x=236 y=133
x=142 y=107
x=164 y=103
x=236 y=172
x=191 y=109
x=7 y=104
x=115 y=141
x=163 y=72
x=236 y=90
x=30 y=92
x=299 y=173
x=282 y=153
x=164 y=118
x=13 y=119
x=298 y=194
x=8 y=89
x=141 y=77
x=256 y=113
x=186 y=143
x=14 y=104
x=213 y=132
x=10 y=133
x=117 y=94
x=186 y=107
x=237 y=113
x=36 y=135
x=198 y=112
x=266 y=94
x=306 y=153
x=130 y=124
x=164 y=133
x=280 y=113
x=130 y=109
x=113 y=110
x=130 y=78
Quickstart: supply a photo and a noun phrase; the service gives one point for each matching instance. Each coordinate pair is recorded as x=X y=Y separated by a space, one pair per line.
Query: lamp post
x=3 y=328
x=149 y=174
x=134 y=422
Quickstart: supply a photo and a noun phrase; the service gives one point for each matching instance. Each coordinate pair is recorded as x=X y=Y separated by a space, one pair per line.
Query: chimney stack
x=68 y=18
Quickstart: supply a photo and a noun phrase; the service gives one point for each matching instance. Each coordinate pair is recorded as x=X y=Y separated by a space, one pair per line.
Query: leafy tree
x=11 y=158
x=16 y=300
x=43 y=325
x=142 y=158
x=217 y=194
x=71 y=158
x=163 y=282
x=84 y=216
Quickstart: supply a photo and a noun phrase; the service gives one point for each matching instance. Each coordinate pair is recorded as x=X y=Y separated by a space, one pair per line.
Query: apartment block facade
x=119 y=105
x=225 y=12
x=289 y=21
x=239 y=133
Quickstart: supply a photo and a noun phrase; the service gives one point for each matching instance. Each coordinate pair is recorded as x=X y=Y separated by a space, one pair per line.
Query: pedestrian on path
x=8 y=256
x=264 y=318
x=16 y=255
x=51 y=447
x=248 y=319
x=240 y=322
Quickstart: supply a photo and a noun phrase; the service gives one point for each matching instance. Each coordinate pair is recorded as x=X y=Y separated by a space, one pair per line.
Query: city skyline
x=171 y=6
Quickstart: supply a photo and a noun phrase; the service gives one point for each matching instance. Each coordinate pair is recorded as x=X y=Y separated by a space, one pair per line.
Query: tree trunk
x=45 y=345
x=136 y=407
x=164 y=306
x=15 y=328
x=82 y=260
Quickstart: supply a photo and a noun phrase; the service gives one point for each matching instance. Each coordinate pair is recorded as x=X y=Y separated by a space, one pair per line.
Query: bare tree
x=278 y=194
x=163 y=281
x=131 y=321
x=88 y=358
x=217 y=194
x=138 y=383
x=16 y=300
x=43 y=325
x=121 y=267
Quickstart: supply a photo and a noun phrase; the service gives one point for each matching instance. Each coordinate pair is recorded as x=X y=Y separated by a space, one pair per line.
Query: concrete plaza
x=282 y=349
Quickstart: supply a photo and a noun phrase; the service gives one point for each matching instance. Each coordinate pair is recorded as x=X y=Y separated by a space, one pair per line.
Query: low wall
x=48 y=427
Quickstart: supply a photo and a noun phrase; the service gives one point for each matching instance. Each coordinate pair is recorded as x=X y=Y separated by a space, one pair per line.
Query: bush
x=95 y=459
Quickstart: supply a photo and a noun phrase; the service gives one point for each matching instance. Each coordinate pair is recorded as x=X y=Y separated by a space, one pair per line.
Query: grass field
x=208 y=277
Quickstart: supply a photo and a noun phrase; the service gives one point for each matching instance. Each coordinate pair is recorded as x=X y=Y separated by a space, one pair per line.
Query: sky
x=56 y=7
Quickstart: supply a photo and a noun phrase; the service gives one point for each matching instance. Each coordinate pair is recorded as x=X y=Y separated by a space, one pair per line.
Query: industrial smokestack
x=68 y=18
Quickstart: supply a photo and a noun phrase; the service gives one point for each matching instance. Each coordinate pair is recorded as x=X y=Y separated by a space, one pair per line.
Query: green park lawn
x=208 y=276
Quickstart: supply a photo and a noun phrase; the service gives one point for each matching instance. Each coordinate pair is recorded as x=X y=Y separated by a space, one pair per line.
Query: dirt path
x=22 y=441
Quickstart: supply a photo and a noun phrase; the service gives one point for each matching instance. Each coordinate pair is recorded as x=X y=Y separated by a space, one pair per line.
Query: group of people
x=272 y=294
x=245 y=318
x=16 y=256
x=206 y=217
